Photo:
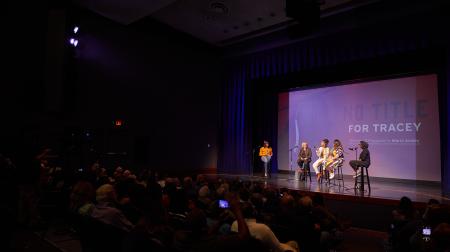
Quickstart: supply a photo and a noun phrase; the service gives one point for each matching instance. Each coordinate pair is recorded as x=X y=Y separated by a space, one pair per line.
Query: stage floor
x=382 y=189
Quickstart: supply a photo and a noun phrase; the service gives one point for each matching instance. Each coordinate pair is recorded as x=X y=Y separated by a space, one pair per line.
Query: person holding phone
x=234 y=241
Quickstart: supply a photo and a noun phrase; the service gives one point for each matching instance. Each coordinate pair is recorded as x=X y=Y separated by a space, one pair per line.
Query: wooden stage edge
x=385 y=193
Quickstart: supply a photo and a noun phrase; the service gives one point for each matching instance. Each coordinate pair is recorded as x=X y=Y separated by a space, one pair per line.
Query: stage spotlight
x=75 y=29
x=73 y=42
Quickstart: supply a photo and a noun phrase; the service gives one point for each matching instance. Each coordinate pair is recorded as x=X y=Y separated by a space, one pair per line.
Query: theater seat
x=97 y=236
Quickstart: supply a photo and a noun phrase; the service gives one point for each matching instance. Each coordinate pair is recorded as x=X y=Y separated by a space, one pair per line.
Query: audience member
x=82 y=198
x=262 y=232
x=106 y=211
x=330 y=228
x=440 y=238
x=152 y=232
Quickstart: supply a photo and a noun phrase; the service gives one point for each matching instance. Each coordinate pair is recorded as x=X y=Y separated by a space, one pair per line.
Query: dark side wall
x=22 y=83
x=162 y=84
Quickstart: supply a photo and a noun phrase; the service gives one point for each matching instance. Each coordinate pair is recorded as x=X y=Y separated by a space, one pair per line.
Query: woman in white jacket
x=322 y=153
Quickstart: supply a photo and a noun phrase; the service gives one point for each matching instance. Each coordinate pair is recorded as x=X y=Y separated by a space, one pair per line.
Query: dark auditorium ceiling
x=218 y=22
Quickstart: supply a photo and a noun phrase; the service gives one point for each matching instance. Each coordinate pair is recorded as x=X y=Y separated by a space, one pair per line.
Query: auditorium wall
x=162 y=84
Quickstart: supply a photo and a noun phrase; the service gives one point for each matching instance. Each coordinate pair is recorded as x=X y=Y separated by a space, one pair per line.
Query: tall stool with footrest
x=360 y=181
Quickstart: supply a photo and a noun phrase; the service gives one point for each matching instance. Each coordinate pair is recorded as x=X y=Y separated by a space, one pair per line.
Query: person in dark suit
x=303 y=161
x=364 y=158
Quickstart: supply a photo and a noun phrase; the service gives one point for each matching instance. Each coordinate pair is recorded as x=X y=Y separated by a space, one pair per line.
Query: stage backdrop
x=398 y=117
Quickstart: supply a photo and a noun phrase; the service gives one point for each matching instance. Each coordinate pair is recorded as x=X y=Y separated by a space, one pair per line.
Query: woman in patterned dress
x=336 y=158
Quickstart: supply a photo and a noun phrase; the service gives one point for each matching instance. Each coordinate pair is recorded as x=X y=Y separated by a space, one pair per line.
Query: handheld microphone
x=353 y=148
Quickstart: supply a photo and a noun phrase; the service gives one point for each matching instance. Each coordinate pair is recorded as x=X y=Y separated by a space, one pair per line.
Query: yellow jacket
x=265 y=151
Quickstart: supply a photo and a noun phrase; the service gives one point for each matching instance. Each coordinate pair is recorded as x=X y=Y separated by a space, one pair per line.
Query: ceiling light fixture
x=219 y=8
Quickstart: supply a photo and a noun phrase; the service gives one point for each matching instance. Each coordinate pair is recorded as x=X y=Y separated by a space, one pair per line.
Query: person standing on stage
x=303 y=161
x=364 y=158
x=323 y=152
x=266 y=153
x=336 y=158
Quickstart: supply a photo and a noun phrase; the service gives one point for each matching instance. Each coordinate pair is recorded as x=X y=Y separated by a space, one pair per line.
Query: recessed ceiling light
x=218 y=7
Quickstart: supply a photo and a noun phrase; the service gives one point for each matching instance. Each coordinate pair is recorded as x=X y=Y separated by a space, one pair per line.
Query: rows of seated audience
x=408 y=230
x=123 y=211
x=184 y=215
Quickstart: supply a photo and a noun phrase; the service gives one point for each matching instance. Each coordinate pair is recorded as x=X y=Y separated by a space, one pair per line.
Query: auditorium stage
x=385 y=191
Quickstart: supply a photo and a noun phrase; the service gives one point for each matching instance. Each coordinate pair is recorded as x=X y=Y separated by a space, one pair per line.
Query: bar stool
x=360 y=181
x=339 y=176
x=306 y=172
x=325 y=174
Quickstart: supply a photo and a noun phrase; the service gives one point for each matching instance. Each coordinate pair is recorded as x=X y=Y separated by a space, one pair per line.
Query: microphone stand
x=355 y=149
x=290 y=157
x=253 y=159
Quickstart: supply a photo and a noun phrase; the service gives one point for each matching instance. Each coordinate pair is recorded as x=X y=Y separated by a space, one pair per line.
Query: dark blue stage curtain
x=332 y=50
x=445 y=136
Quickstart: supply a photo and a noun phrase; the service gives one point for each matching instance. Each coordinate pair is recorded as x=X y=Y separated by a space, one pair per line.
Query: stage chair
x=360 y=181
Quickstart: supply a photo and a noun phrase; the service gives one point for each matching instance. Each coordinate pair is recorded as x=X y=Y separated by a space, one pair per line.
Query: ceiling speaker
x=307 y=15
